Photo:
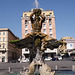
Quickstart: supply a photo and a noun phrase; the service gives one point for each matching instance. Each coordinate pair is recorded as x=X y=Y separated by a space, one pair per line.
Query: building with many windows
x=48 y=27
x=7 y=51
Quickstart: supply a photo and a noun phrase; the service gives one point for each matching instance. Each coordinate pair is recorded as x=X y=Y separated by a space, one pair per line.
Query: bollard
x=56 y=67
x=73 y=67
x=24 y=68
x=9 y=69
x=20 y=72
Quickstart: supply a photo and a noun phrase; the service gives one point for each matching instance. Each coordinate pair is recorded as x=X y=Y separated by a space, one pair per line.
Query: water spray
x=36 y=3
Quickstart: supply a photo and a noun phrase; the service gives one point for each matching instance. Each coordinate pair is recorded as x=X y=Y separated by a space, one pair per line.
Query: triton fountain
x=37 y=43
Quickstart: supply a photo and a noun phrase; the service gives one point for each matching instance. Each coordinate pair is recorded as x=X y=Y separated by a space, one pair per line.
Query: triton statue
x=37 y=19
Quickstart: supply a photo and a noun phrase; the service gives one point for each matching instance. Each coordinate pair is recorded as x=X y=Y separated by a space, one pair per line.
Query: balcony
x=3 y=50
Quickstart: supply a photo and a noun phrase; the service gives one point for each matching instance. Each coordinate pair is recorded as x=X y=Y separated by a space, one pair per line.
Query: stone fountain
x=37 y=43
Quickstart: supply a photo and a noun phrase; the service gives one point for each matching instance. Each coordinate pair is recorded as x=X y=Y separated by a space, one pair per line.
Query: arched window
x=49 y=20
x=25 y=21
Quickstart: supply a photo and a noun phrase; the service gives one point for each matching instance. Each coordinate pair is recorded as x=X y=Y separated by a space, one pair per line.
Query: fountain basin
x=56 y=73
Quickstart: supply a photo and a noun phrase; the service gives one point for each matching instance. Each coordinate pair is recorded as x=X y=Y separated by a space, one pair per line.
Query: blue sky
x=12 y=10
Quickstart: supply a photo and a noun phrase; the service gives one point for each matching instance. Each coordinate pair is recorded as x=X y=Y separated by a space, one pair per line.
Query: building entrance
x=3 y=59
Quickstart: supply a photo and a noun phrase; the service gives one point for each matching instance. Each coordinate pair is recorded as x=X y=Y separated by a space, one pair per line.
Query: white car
x=59 y=58
x=25 y=60
x=48 y=58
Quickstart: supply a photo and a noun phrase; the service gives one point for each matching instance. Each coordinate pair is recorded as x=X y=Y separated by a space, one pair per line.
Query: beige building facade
x=63 y=48
x=7 y=51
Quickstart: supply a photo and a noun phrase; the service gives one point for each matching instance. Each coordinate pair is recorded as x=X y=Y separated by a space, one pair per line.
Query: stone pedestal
x=38 y=67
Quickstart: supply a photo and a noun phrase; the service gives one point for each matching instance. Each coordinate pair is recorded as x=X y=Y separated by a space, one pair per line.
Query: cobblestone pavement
x=55 y=65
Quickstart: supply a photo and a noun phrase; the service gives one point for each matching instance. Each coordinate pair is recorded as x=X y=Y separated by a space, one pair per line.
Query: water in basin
x=57 y=73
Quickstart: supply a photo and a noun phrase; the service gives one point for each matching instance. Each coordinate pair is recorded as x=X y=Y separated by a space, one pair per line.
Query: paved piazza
x=55 y=65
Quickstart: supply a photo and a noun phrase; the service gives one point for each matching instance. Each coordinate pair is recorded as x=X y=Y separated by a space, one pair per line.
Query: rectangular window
x=25 y=21
x=44 y=31
x=31 y=30
x=50 y=35
x=50 y=30
x=3 y=33
x=26 y=31
x=0 y=38
x=50 y=25
x=0 y=45
x=50 y=14
x=44 y=25
x=0 y=33
x=70 y=45
x=25 y=15
x=3 y=38
x=26 y=26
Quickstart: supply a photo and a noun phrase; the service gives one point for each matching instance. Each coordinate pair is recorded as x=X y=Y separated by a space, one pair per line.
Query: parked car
x=59 y=58
x=25 y=60
x=48 y=58
x=53 y=59
x=73 y=58
x=13 y=61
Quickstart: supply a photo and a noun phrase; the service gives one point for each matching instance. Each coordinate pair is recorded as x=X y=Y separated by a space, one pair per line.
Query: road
x=55 y=65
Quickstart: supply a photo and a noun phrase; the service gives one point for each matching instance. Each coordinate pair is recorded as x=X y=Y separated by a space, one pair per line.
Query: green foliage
x=14 y=41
